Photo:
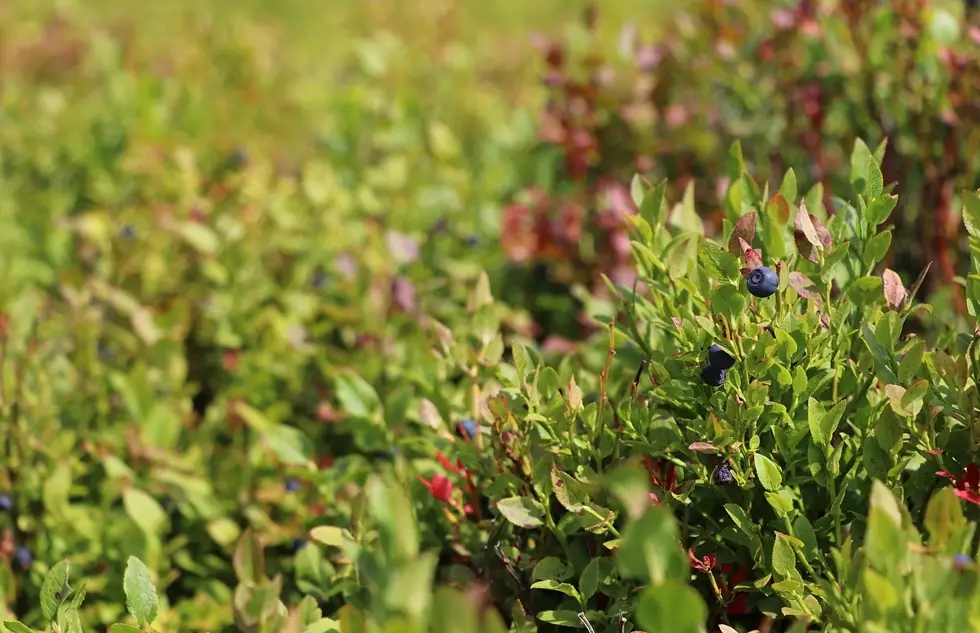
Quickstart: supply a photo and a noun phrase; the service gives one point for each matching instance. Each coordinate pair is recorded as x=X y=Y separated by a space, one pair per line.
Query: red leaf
x=803 y=286
x=744 y=230
x=895 y=292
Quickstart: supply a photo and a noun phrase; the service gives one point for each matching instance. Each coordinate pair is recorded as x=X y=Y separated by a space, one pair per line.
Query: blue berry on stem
x=723 y=475
x=467 y=429
x=6 y=503
x=719 y=358
x=292 y=484
x=23 y=557
x=763 y=281
x=712 y=375
x=962 y=560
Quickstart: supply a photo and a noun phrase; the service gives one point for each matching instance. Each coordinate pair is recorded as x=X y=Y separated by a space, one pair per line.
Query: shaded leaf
x=744 y=231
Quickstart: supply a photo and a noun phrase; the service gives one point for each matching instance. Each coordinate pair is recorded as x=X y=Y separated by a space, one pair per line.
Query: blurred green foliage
x=259 y=263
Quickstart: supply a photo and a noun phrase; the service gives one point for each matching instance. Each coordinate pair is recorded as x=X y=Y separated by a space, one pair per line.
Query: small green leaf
x=671 y=606
x=768 y=473
x=356 y=396
x=55 y=589
x=17 y=627
x=589 y=582
x=521 y=511
x=560 y=587
x=123 y=628
x=141 y=594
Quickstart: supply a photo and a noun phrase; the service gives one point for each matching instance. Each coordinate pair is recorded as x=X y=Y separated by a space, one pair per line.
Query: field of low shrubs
x=473 y=319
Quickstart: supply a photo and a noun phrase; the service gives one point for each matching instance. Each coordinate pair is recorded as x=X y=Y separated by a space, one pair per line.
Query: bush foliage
x=442 y=370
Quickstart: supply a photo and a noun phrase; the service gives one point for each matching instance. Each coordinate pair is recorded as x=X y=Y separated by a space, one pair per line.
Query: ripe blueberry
x=719 y=358
x=23 y=556
x=962 y=560
x=712 y=375
x=723 y=475
x=292 y=484
x=467 y=429
x=128 y=232
x=6 y=503
x=763 y=281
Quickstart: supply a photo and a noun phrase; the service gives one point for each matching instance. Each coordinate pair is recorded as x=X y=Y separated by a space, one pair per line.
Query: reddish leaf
x=895 y=292
x=744 y=231
x=778 y=208
x=745 y=271
x=803 y=286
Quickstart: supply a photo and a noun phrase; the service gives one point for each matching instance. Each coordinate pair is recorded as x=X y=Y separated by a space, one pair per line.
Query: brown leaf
x=803 y=286
x=703 y=447
x=744 y=231
x=810 y=235
x=895 y=292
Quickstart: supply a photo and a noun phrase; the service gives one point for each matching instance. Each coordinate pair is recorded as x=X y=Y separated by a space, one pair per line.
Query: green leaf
x=560 y=587
x=57 y=488
x=884 y=541
x=783 y=558
x=356 y=396
x=55 y=589
x=17 y=627
x=290 y=445
x=880 y=209
x=561 y=617
x=971 y=212
x=788 y=187
x=768 y=473
x=823 y=424
x=391 y=507
x=521 y=511
x=141 y=594
x=589 y=581
x=649 y=548
x=944 y=519
x=145 y=511
x=409 y=586
x=118 y=627
x=860 y=158
x=671 y=606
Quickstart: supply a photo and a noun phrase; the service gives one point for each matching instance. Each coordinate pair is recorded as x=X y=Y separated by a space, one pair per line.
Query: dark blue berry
x=6 y=503
x=723 y=475
x=962 y=560
x=319 y=279
x=23 y=557
x=238 y=158
x=713 y=376
x=292 y=485
x=763 y=281
x=473 y=240
x=127 y=232
x=299 y=544
x=719 y=358
x=467 y=429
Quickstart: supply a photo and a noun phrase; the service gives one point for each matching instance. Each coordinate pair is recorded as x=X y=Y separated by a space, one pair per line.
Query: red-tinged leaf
x=752 y=256
x=703 y=447
x=803 y=286
x=678 y=322
x=744 y=230
x=895 y=292
x=935 y=451
x=778 y=208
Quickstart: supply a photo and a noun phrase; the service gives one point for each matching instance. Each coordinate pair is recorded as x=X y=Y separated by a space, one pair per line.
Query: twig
x=585 y=622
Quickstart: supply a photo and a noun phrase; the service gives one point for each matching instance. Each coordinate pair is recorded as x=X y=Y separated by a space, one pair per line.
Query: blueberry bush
x=281 y=359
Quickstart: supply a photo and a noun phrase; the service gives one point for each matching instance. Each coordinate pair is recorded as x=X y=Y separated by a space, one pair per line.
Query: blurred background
x=225 y=226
